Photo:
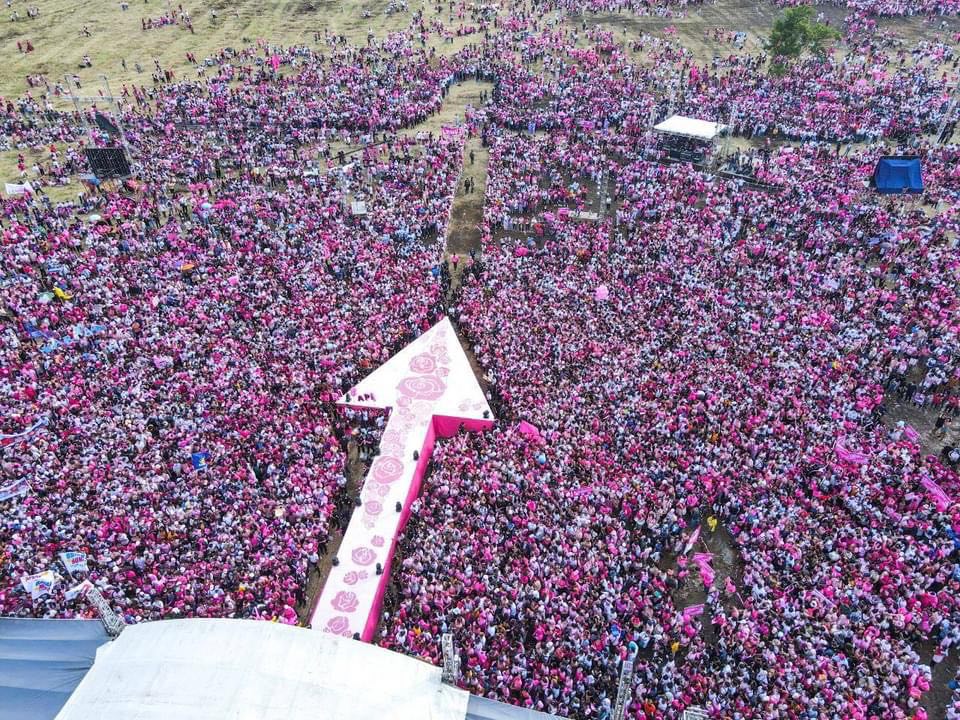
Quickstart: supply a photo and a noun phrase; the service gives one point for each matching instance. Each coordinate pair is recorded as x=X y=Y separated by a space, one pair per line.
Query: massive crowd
x=739 y=353
x=698 y=358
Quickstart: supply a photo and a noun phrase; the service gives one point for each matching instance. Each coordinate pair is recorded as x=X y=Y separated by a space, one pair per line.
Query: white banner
x=10 y=439
x=74 y=561
x=39 y=584
x=17 y=189
x=14 y=489
x=78 y=590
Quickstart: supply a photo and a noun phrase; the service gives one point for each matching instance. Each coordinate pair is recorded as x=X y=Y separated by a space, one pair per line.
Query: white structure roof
x=690 y=127
x=249 y=670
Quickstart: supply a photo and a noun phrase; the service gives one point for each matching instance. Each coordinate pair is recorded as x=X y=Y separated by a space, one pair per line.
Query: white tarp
x=18 y=189
x=690 y=127
x=251 y=670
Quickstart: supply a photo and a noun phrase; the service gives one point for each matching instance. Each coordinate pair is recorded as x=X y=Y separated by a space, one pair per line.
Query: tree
x=794 y=32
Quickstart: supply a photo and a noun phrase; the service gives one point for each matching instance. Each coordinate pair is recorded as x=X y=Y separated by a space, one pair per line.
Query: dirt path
x=467 y=212
x=726 y=563
x=935 y=700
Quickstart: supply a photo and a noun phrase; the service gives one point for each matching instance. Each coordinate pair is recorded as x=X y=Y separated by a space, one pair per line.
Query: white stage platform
x=247 y=670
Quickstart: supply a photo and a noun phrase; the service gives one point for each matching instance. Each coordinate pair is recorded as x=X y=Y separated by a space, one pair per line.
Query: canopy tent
x=690 y=127
x=42 y=662
x=207 y=669
x=895 y=175
x=203 y=669
x=481 y=708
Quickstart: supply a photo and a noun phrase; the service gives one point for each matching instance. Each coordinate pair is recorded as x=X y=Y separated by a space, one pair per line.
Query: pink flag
x=911 y=434
x=939 y=497
x=702 y=561
x=692 y=612
x=275 y=61
x=529 y=430
x=692 y=541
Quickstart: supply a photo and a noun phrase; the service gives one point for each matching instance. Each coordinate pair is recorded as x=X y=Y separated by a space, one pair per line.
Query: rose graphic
x=363 y=556
x=382 y=490
x=386 y=469
x=442 y=372
x=373 y=507
x=377 y=541
x=345 y=601
x=427 y=387
x=423 y=364
x=351 y=578
x=338 y=625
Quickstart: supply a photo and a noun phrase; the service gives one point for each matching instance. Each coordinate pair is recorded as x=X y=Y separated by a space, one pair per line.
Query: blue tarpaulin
x=898 y=175
x=42 y=662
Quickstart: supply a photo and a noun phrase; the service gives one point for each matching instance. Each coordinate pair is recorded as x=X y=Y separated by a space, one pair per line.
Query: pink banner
x=854 y=457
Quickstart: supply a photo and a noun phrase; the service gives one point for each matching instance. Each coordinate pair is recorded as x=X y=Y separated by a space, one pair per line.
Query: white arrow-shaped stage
x=430 y=390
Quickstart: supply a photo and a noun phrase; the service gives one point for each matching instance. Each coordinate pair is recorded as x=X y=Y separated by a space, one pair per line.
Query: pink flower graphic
x=423 y=364
x=392 y=437
x=382 y=490
x=363 y=556
x=442 y=371
x=427 y=387
x=351 y=578
x=377 y=541
x=345 y=601
x=386 y=469
x=373 y=507
x=338 y=625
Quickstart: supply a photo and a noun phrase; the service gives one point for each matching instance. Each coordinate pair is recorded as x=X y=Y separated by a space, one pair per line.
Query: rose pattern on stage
x=363 y=555
x=423 y=364
x=386 y=469
x=345 y=601
x=338 y=625
x=426 y=387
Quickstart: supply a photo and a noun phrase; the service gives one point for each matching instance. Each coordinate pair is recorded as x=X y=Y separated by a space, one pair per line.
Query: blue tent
x=42 y=662
x=895 y=175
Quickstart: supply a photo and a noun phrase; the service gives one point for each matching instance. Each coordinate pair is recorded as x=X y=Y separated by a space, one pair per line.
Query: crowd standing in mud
x=700 y=356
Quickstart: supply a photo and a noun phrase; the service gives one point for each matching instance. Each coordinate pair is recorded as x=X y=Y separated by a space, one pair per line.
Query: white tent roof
x=244 y=669
x=690 y=127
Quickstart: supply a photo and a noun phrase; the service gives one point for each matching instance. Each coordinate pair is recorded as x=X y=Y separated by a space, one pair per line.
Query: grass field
x=117 y=35
x=60 y=40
